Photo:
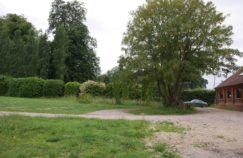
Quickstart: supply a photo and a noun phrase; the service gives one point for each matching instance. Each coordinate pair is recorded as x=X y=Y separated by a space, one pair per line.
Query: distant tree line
x=70 y=56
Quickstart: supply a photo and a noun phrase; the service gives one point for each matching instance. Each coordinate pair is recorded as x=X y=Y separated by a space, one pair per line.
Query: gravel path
x=211 y=133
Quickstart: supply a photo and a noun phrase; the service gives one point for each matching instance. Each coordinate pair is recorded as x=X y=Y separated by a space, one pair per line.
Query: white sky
x=107 y=20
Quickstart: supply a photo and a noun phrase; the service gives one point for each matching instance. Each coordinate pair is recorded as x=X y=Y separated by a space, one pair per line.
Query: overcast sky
x=107 y=20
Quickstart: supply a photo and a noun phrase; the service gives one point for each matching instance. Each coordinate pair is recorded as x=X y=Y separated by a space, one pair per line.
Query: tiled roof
x=235 y=79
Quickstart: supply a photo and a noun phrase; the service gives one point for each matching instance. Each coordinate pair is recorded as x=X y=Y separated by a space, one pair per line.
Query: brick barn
x=229 y=94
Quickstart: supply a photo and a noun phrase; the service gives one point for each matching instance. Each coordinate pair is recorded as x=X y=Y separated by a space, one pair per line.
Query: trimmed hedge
x=53 y=88
x=26 y=87
x=93 y=88
x=202 y=94
x=72 y=88
x=4 y=85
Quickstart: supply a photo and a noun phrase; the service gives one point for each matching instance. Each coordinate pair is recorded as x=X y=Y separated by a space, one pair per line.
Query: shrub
x=202 y=94
x=53 y=88
x=72 y=88
x=93 y=88
x=26 y=87
x=4 y=85
x=108 y=91
x=117 y=92
x=135 y=92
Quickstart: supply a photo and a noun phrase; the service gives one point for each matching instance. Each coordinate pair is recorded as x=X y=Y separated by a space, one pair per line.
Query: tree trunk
x=170 y=95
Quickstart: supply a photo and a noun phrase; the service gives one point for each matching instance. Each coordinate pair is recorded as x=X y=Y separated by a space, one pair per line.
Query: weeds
x=165 y=152
x=168 y=127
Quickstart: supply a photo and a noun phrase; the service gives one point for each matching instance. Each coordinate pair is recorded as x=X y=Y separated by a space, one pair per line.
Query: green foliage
x=66 y=14
x=53 y=88
x=26 y=87
x=81 y=62
x=108 y=91
x=117 y=92
x=195 y=83
x=164 y=150
x=59 y=53
x=202 y=94
x=19 y=46
x=123 y=85
x=4 y=85
x=44 y=57
x=120 y=88
x=109 y=76
x=70 y=56
x=93 y=88
x=169 y=42
x=72 y=88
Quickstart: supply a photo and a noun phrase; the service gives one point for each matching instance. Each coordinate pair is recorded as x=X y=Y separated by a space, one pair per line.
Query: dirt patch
x=210 y=133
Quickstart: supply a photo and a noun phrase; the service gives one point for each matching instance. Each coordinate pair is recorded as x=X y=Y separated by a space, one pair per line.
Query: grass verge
x=65 y=105
x=161 y=110
x=70 y=105
x=22 y=137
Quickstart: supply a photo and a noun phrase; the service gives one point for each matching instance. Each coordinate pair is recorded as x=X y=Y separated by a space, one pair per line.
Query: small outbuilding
x=229 y=94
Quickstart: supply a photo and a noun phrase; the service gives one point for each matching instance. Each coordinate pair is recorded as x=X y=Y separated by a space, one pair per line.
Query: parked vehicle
x=196 y=103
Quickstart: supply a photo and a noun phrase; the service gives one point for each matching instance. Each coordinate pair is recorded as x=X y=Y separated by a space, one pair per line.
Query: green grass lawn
x=24 y=137
x=53 y=105
x=72 y=106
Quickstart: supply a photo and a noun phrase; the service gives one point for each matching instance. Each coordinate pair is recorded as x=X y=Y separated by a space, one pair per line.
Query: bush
x=4 y=85
x=108 y=91
x=93 y=88
x=72 y=88
x=26 y=87
x=53 y=88
x=202 y=94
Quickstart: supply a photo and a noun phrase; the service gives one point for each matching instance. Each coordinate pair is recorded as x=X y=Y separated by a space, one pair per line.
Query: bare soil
x=211 y=133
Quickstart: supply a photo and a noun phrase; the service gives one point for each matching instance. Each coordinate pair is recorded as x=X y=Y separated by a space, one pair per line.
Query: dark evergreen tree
x=44 y=57
x=82 y=63
x=59 y=53
x=19 y=46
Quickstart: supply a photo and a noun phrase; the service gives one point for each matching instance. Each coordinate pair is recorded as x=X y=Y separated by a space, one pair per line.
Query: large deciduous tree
x=173 y=41
x=66 y=13
x=81 y=61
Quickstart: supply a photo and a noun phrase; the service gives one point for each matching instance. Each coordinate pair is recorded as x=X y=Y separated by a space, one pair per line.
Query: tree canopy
x=70 y=56
x=81 y=61
x=60 y=44
x=19 y=46
x=173 y=41
x=44 y=57
x=66 y=14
